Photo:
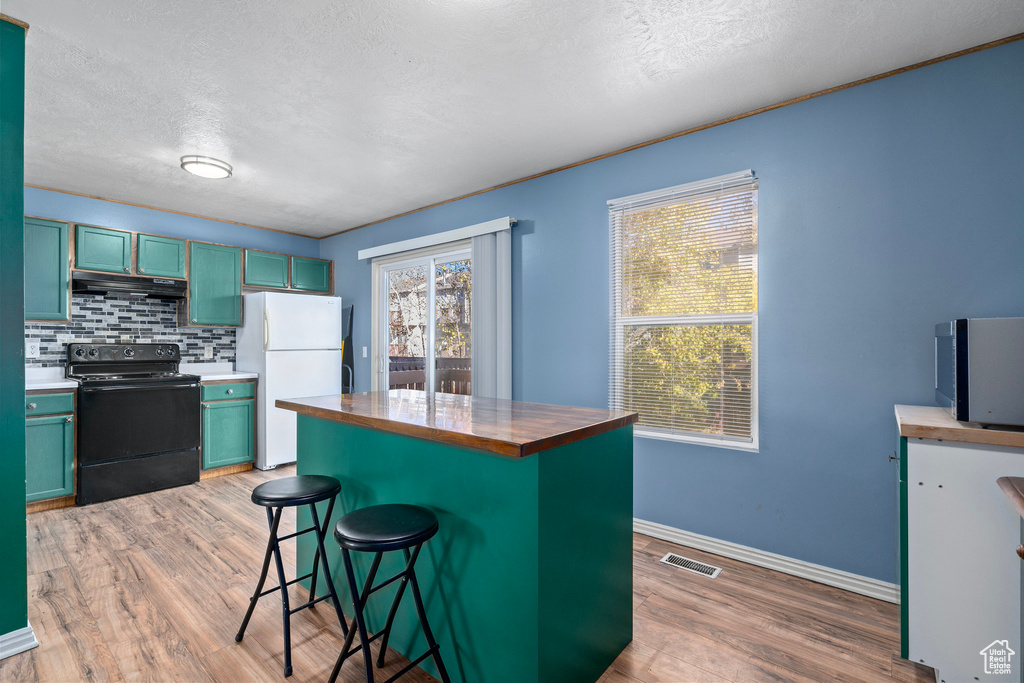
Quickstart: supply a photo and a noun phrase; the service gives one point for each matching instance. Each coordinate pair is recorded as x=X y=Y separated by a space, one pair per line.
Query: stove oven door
x=131 y=420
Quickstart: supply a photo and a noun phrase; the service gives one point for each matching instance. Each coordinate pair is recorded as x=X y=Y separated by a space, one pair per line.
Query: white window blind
x=684 y=310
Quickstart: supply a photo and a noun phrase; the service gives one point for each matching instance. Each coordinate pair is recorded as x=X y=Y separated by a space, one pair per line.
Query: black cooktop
x=118 y=364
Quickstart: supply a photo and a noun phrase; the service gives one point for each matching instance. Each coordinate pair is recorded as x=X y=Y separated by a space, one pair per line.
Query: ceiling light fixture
x=206 y=167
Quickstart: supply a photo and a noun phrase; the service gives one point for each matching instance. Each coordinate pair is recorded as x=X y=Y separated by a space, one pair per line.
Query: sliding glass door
x=425 y=315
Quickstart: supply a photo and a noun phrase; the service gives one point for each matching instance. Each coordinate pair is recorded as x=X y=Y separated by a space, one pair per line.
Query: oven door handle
x=139 y=387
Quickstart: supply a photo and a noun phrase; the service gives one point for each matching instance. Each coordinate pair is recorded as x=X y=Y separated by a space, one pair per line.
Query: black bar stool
x=305 y=489
x=379 y=529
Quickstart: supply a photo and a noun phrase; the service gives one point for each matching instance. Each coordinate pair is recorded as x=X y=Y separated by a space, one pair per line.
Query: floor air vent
x=691 y=565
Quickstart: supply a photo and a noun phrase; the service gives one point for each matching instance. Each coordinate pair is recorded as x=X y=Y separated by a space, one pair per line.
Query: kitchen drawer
x=49 y=404
x=224 y=392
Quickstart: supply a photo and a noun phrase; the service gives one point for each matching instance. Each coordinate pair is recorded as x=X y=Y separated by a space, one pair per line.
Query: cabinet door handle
x=127 y=269
x=68 y=418
x=231 y=391
x=193 y=319
x=31 y=406
x=142 y=270
x=206 y=406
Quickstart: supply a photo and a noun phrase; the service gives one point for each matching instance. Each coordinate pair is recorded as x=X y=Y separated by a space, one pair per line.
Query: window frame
x=619 y=322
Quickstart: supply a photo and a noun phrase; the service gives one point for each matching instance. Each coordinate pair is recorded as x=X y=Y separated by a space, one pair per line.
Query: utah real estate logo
x=997 y=657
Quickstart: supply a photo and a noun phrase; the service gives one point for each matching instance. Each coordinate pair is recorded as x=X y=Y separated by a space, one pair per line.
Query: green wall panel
x=13 y=591
x=46 y=270
x=586 y=585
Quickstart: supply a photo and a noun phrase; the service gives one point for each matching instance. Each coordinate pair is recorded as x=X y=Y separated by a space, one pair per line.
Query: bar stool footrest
x=413 y=663
x=277 y=588
x=297 y=533
x=310 y=603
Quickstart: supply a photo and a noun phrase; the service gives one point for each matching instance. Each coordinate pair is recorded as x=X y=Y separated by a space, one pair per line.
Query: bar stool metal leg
x=285 y=607
x=320 y=550
x=274 y=520
x=358 y=602
x=434 y=647
x=394 y=604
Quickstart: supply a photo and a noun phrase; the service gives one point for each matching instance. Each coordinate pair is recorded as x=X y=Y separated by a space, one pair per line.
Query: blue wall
x=884 y=209
x=69 y=207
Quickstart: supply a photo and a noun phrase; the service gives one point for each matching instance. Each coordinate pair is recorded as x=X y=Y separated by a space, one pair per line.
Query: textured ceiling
x=335 y=114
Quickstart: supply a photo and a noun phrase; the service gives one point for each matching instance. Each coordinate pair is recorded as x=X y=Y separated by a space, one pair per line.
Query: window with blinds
x=684 y=310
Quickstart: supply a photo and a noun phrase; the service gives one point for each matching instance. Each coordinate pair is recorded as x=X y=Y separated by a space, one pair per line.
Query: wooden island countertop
x=510 y=428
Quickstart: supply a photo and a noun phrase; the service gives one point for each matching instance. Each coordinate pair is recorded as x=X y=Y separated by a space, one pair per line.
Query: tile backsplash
x=105 y=319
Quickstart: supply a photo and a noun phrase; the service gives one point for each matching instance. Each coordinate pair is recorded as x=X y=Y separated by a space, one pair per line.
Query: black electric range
x=138 y=419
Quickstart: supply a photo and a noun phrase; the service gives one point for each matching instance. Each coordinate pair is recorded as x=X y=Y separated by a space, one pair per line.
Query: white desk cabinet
x=960 y=574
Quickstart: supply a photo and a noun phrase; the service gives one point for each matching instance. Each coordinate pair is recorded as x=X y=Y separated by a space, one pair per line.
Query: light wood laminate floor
x=154 y=587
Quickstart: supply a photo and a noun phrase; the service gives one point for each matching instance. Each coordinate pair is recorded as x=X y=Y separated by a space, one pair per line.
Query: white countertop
x=209 y=372
x=37 y=379
x=47 y=378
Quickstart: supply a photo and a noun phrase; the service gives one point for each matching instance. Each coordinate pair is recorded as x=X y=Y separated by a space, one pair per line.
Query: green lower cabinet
x=49 y=457
x=103 y=249
x=311 y=275
x=161 y=256
x=215 y=285
x=228 y=428
x=46 y=270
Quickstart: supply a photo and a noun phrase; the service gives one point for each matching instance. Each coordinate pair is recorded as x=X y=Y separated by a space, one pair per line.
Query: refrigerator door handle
x=266 y=330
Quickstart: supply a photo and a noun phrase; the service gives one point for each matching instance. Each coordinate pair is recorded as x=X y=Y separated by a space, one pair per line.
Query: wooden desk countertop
x=510 y=428
x=932 y=422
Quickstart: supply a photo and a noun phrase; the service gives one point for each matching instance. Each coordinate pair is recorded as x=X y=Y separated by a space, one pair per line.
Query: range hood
x=101 y=283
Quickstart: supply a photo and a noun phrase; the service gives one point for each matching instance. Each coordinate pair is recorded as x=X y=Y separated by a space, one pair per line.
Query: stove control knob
x=94 y=352
x=159 y=352
x=79 y=352
x=129 y=352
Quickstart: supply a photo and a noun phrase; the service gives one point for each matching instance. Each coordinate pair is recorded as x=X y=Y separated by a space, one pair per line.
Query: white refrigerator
x=293 y=341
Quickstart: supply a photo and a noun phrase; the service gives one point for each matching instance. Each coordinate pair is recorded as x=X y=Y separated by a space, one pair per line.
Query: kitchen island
x=530 y=575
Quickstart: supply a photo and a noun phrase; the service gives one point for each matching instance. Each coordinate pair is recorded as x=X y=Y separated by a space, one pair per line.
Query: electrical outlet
x=208 y=352
x=31 y=349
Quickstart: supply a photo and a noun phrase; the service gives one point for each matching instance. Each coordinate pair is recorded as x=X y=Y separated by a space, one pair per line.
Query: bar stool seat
x=304 y=489
x=385 y=527
x=299 y=490
x=379 y=529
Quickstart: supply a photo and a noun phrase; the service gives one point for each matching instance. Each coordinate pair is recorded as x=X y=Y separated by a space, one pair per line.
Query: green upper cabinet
x=46 y=270
x=228 y=433
x=214 y=285
x=49 y=457
x=310 y=274
x=103 y=249
x=161 y=256
x=265 y=269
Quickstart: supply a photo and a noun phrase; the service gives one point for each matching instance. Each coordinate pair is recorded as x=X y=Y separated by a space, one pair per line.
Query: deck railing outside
x=451 y=376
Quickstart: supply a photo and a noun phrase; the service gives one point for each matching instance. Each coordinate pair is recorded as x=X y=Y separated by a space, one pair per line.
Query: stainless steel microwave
x=979 y=369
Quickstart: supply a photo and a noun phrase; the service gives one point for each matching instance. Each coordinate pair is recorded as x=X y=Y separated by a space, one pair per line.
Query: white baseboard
x=17 y=641
x=873 y=588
